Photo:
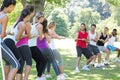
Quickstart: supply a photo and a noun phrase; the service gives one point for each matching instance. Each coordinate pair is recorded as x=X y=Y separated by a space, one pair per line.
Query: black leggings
x=8 y=56
x=26 y=55
x=39 y=59
x=11 y=45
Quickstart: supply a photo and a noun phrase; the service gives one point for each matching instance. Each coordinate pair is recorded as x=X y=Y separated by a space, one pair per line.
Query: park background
x=68 y=14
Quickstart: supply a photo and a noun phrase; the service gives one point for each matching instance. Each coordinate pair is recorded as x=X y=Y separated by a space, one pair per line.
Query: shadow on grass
x=108 y=73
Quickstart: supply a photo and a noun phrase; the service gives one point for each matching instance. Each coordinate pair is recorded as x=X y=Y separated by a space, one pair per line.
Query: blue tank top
x=1 y=16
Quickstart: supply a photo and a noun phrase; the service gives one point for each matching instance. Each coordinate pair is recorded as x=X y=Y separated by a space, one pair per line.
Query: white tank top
x=52 y=44
x=92 y=36
x=111 y=41
x=13 y=37
x=32 y=42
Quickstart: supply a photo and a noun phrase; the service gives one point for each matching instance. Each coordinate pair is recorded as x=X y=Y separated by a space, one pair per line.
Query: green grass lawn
x=108 y=73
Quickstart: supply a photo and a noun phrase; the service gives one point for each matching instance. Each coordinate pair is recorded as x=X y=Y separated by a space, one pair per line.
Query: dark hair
x=7 y=3
x=93 y=25
x=115 y=31
x=44 y=23
x=24 y=13
x=30 y=7
x=84 y=25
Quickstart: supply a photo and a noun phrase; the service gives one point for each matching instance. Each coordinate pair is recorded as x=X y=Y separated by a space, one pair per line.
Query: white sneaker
x=62 y=77
x=117 y=60
x=86 y=68
x=48 y=76
x=77 y=70
x=40 y=78
x=59 y=77
x=65 y=74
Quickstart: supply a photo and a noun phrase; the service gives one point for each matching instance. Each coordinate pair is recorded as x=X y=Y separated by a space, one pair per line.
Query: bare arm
x=55 y=35
x=40 y=29
x=96 y=38
x=4 y=26
x=21 y=29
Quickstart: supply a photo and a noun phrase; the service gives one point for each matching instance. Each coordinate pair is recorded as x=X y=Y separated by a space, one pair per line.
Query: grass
x=108 y=73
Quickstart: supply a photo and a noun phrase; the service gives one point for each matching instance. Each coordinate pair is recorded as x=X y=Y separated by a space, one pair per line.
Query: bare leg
x=12 y=74
x=78 y=62
x=107 y=54
x=118 y=52
x=7 y=70
x=95 y=57
x=19 y=77
x=27 y=71
x=89 y=60
x=61 y=69
x=99 y=58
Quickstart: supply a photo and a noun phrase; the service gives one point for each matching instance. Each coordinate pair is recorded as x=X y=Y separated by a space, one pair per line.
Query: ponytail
x=24 y=13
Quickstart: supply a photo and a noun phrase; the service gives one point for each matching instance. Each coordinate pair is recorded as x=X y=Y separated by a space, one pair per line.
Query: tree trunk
x=23 y=3
x=38 y=4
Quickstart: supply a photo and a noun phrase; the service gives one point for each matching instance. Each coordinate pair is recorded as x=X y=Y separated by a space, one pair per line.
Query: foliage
x=61 y=20
x=114 y=2
x=87 y=16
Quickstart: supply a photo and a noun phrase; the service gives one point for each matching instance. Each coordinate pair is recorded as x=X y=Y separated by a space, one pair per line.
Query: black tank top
x=100 y=43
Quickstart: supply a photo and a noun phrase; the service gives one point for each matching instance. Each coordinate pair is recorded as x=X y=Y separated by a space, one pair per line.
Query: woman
x=43 y=45
x=110 y=44
x=22 y=36
x=81 y=46
x=7 y=7
x=10 y=41
x=57 y=55
x=36 y=53
x=101 y=42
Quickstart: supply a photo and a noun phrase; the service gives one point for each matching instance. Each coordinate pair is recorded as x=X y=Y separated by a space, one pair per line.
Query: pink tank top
x=22 y=41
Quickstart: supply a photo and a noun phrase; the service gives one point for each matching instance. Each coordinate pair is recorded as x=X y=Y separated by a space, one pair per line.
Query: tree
x=114 y=2
x=87 y=16
x=40 y=4
x=61 y=20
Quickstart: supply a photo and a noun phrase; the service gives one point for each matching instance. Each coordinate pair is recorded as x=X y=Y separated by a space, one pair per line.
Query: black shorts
x=93 y=49
x=85 y=51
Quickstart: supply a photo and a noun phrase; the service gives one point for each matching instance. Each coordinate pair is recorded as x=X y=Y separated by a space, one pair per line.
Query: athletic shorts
x=102 y=48
x=111 y=48
x=93 y=49
x=85 y=51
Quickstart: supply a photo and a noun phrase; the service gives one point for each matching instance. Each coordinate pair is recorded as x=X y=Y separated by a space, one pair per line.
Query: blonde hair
x=52 y=24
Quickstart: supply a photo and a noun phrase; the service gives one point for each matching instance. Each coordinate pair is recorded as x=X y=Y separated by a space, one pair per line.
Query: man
x=110 y=44
x=93 y=36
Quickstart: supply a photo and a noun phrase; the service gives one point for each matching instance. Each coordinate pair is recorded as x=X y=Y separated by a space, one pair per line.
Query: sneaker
x=99 y=67
x=59 y=77
x=86 y=68
x=62 y=77
x=48 y=76
x=77 y=70
x=44 y=78
x=106 y=64
x=40 y=78
x=65 y=74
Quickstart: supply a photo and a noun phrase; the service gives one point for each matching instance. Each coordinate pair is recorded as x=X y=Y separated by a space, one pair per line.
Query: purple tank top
x=41 y=44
